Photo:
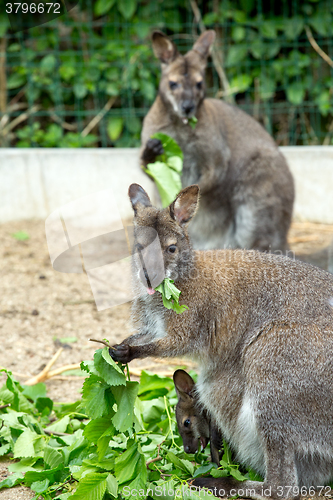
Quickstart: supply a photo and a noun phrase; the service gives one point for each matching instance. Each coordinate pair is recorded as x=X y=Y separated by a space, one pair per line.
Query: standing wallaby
x=193 y=421
x=247 y=190
x=261 y=329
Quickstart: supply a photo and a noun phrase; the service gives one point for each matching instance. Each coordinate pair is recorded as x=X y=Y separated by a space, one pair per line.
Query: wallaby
x=261 y=328
x=247 y=190
x=193 y=421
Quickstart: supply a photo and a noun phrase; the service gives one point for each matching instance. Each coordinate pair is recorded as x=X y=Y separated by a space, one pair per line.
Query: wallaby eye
x=187 y=422
x=199 y=85
x=139 y=247
x=172 y=248
x=173 y=85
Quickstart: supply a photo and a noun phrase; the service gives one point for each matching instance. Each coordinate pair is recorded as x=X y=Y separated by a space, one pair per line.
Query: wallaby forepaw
x=153 y=149
x=121 y=353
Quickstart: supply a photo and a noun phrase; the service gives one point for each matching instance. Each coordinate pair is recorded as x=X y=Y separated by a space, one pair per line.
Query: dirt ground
x=42 y=310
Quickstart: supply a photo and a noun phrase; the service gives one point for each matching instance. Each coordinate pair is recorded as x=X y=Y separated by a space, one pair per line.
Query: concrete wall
x=35 y=182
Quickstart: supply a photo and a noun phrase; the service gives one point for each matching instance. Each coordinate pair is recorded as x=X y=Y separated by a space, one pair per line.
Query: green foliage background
x=61 y=74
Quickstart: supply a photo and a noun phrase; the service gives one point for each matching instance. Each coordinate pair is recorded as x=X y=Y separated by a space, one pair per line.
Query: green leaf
x=52 y=457
x=15 y=80
x=167 y=181
x=293 y=27
x=23 y=465
x=240 y=83
x=48 y=63
x=60 y=425
x=170 y=296
x=210 y=18
x=34 y=391
x=67 y=72
x=170 y=146
x=101 y=7
x=238 y=33
x=267 y=87
x=125 y=399
x=96 y=397
x=203 y=469
x=125 y=464
x=151 y=382
x=40 y=486
x=24 y=446
x=237 y=474
x=184 y=465
x=193 y=123
x=236 y=54
x=268 y=29
x=108 y=368
x=324 y=102
x=33 y=476
x=127 y=8
x=176 y=163
x=295 y=93
x=91 y=487
x=219 y=472
x=112 y=485
x=21 y=236
x=4 y=449
x=80 y=90
x=321 y=24
x=115 y=127
x=12 y=480
x=96 y=428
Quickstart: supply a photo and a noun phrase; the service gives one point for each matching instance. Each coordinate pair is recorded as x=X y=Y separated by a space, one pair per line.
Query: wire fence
x=89 y=77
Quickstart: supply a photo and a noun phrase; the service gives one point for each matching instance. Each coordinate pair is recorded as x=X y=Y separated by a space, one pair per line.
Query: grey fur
x=247 y=190
x=261 y=328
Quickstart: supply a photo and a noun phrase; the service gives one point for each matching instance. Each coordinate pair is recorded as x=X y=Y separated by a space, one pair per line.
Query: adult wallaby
x=247 y=190
x=193 y=421
x=261 y=329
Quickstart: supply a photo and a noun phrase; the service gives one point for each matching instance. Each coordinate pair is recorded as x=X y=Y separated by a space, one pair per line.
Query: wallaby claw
x=121 y=352
x=153 y=149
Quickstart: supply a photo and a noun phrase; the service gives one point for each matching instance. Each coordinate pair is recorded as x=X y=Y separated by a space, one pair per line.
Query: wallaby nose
x=187 y=107
x=187 y=449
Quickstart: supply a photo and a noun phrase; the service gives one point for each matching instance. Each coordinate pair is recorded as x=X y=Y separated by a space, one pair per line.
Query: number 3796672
x=33 y=8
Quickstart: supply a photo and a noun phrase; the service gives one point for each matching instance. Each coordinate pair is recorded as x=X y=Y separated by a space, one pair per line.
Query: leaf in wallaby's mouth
x=170 y=296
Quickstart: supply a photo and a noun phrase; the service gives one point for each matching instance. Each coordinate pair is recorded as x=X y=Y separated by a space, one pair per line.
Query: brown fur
x=194 y=422
x=247 y=190
x=261 y=328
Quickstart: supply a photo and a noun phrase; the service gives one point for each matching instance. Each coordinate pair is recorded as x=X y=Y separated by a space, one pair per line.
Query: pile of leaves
x=119 y=441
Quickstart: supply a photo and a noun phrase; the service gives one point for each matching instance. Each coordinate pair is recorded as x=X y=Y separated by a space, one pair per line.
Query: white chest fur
x=240 y=431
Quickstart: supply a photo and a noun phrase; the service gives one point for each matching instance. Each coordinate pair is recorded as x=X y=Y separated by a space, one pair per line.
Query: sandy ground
x=42 y=310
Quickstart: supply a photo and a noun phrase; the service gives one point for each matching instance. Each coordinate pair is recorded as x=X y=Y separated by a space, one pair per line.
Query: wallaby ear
x=138 y=196
x=164 y=49
x=184 y=384
x=185 y=205
x=204 y=43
